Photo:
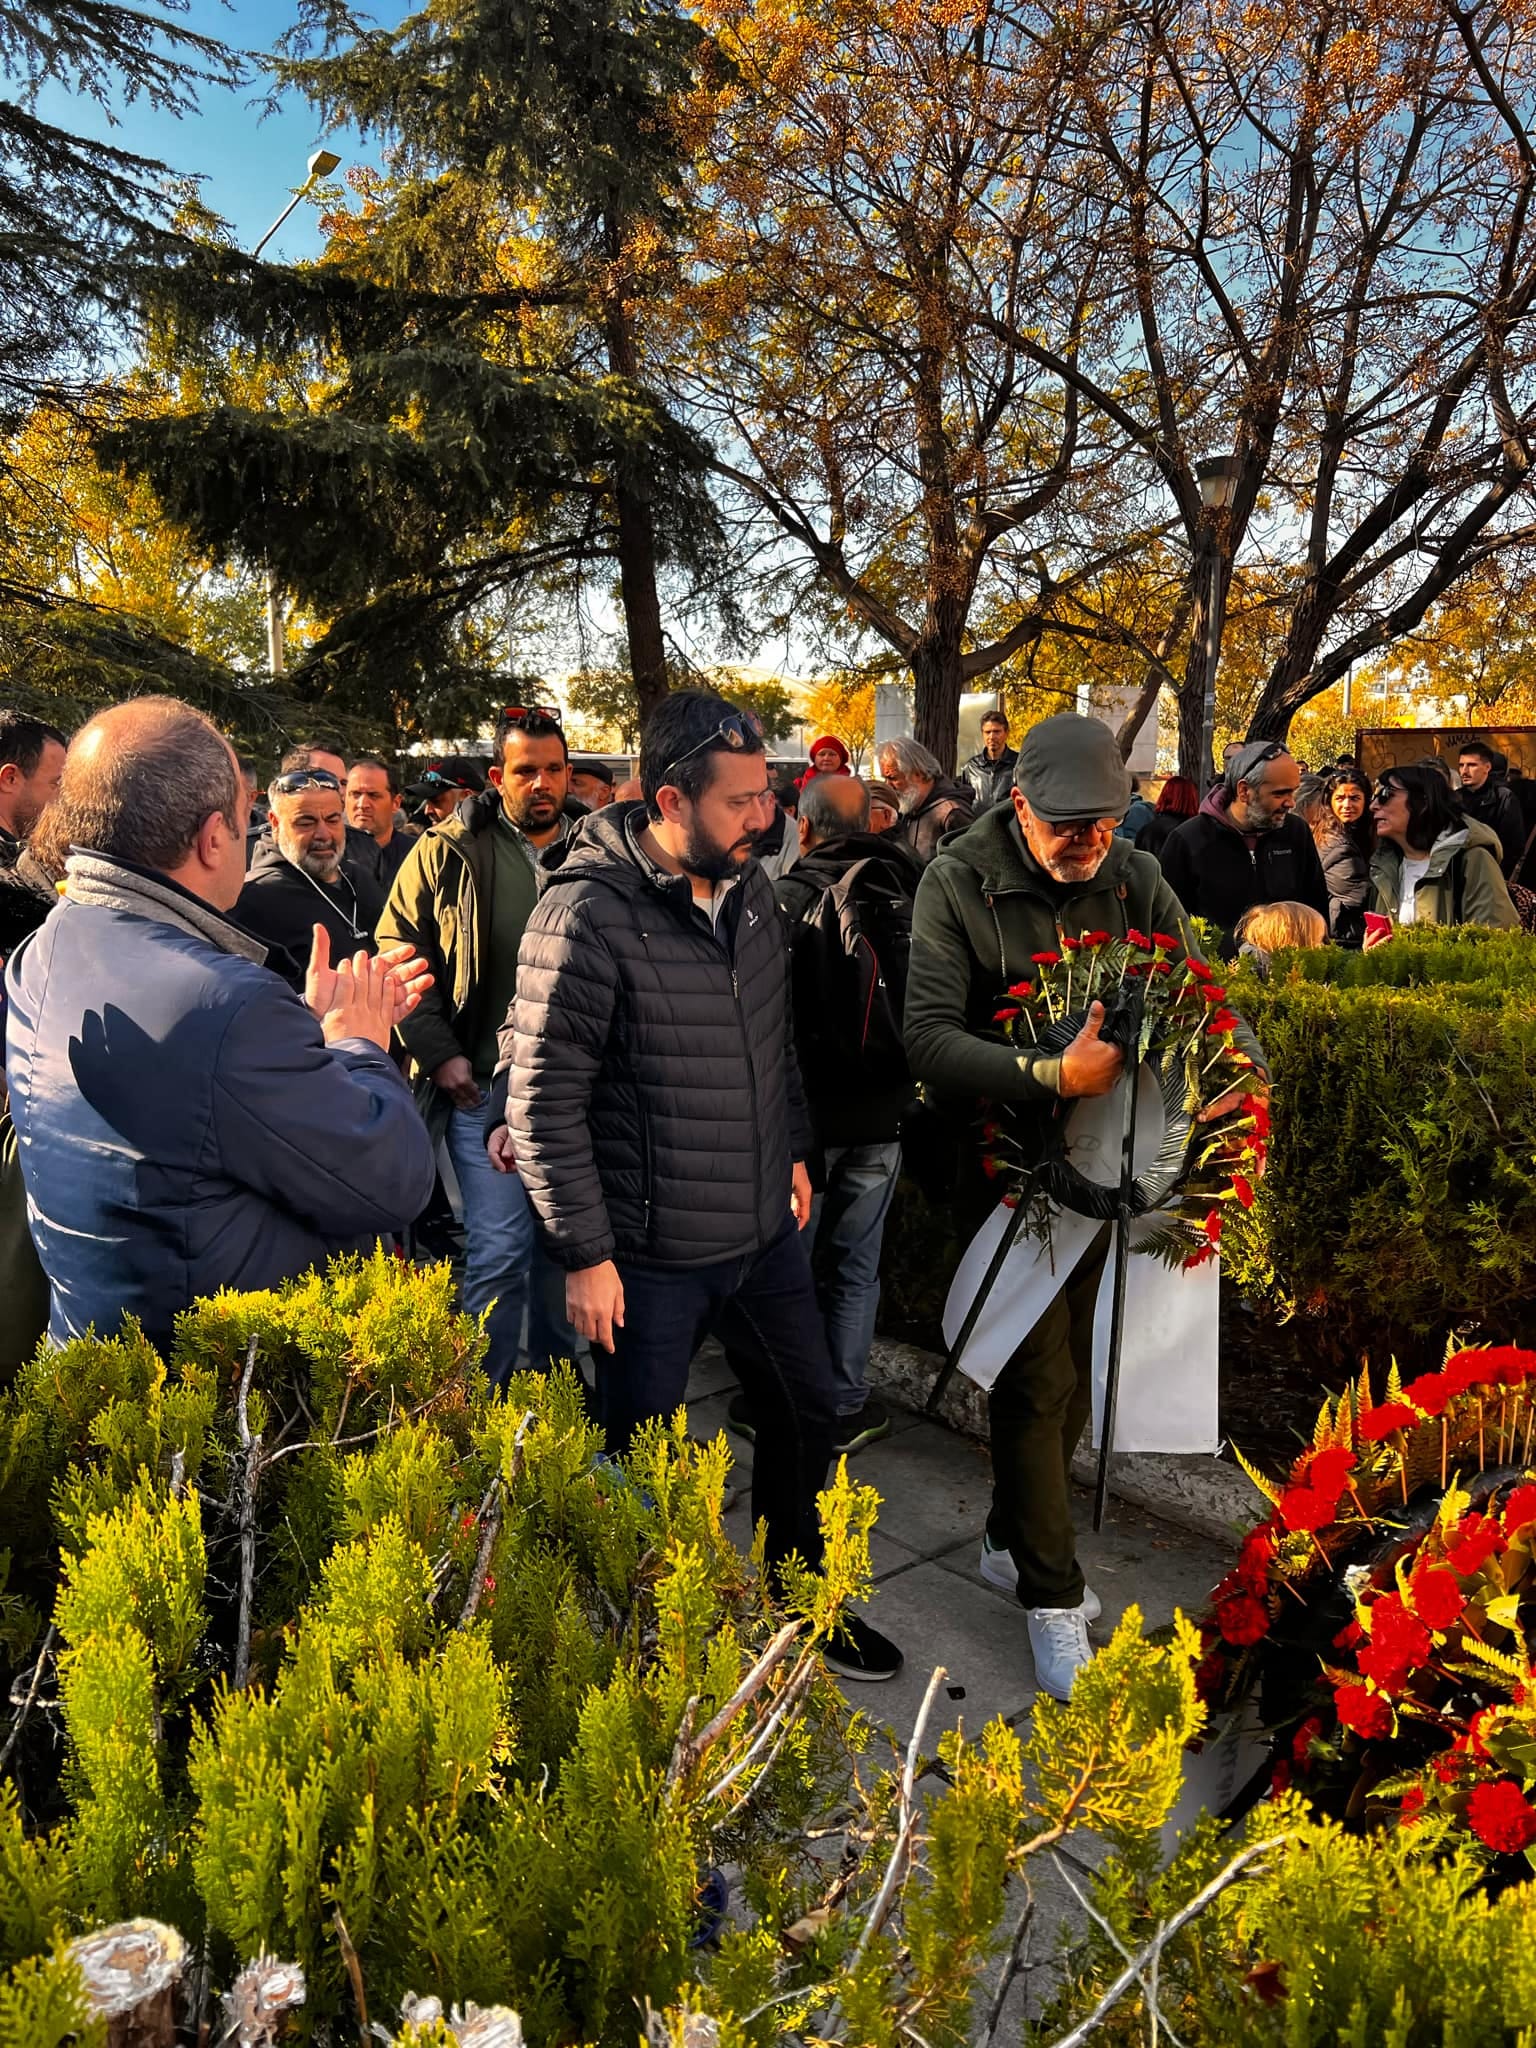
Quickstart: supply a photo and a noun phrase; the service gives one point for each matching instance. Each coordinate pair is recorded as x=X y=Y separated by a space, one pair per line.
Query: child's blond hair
x=1271 y=927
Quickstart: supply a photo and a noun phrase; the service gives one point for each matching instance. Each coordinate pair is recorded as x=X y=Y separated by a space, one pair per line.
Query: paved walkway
x=935 y=1487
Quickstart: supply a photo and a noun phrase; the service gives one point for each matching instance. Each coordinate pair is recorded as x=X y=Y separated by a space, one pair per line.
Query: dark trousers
x=1037 y=1408
x=763 y=1309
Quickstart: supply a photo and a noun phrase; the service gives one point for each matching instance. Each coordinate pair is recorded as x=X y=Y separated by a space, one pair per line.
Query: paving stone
x=935 y=1487
x=934 y=1617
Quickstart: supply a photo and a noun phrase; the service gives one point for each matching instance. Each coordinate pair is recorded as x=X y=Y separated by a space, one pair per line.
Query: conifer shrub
x=327 y=1653
x=1398 y=1204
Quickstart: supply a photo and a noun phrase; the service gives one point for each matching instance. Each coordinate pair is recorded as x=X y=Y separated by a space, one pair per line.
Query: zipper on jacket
x=746 y=1054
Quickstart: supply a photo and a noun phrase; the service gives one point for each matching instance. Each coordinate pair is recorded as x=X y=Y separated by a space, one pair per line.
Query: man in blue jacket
x=187 y=1122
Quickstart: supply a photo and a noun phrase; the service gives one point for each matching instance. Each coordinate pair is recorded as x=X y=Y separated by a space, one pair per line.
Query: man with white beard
x=1021 y=879
x=932 y=803
x=299 y=877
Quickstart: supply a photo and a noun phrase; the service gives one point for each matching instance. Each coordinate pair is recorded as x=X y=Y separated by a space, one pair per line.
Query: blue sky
x=248 y=165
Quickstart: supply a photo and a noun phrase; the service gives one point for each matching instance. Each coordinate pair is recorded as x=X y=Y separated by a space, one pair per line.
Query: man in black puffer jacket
x=658 y=1120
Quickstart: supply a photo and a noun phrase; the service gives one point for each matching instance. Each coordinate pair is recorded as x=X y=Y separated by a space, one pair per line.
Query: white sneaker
x=999 y=1570
x=1058 y=1640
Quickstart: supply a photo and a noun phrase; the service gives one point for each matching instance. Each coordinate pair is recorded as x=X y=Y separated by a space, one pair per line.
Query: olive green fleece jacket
x=1484 y=896
x=983 y=908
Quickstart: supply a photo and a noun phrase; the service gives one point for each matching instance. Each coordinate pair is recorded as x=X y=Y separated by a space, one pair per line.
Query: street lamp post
x=1217 y=475
x=321 y=165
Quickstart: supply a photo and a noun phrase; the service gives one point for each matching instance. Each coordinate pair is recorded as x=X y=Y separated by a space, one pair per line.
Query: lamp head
x=322 y=163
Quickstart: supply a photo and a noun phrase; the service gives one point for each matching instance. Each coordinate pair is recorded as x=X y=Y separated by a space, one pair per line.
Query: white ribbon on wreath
x=1170 y=1351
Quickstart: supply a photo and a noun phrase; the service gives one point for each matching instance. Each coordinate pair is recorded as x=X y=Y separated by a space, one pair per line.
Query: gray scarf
x=98 y=880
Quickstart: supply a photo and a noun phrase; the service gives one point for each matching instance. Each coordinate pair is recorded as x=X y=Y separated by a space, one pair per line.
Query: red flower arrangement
x=1501 y=1816
x=1191 y=1033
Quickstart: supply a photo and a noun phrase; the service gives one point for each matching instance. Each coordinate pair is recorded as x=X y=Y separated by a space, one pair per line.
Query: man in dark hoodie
x=659 y=1121
x=1243 y=846
x=462 y=898
x=299 y=877
x=856 y=1084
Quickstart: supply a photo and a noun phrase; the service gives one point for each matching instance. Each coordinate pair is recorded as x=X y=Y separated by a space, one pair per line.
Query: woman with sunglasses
x=1340 y=818
x=1432 y=865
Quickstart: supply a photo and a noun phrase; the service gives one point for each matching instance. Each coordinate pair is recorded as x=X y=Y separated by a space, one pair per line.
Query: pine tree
x=479 y=422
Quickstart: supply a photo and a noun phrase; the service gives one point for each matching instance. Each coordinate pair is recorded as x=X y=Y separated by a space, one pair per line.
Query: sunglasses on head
x=304 y=778
x=735 y=731
x=519 y=714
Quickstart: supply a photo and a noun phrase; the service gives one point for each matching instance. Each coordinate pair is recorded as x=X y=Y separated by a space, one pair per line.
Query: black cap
x=598 y=770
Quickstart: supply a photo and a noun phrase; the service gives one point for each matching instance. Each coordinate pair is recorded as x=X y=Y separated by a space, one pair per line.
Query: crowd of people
x=652 y=1045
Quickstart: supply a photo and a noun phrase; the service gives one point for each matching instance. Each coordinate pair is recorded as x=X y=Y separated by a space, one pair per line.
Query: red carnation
x=1399 y=1639
x=1136 y=938
x=1348 y=1636
x=1095 y=938
x=1328 y=1471
x=1243 y=1189
x=1242 y=1619
x=1253 y=1560
x=1520 y=1508
x=1212 y=994
x=1004 y=1016
x=1072 y=945
x=1021 y=989
x=991 y=1167
x=1220 y=1023
x=1302 y=1509
x=1280 y=1778
x=1202 y=1257
x=1429 y=1393
x=1376 y=1424
x=1162 y=939
x=1256 y=1107
x=1466 y=1370
x=1514 y=1364
x=1199 y=969
x=1502 y=1816
x=1477 y=1539
x=1412 y=1806
x=1367 y=1713
x=1210 y=1674
x=1213 y=1226
x=1046 y=959
x=1437 y=1599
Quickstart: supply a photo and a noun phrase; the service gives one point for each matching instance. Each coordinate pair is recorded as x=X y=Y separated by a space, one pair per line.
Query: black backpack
x=849 y=996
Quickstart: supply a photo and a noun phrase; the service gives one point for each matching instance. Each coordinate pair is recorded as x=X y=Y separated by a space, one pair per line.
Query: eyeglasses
x=304 y=778
x=519 y=714
x=735 y=731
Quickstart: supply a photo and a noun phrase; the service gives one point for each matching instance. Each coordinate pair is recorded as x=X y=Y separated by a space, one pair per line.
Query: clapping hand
x=404 y=973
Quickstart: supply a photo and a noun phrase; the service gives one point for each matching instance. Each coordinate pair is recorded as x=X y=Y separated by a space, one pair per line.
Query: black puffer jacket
x=655 y=1101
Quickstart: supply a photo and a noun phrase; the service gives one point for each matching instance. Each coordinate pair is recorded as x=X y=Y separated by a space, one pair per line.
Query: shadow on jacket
x=184 y=1125
x=1461 y=885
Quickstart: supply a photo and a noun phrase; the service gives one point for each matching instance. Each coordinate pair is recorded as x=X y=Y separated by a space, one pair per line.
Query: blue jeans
x=501 y=1259
x=763 y=1308
x=846 y=1227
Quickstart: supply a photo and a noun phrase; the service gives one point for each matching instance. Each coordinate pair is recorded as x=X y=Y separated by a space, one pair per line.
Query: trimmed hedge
x=1400 y=1200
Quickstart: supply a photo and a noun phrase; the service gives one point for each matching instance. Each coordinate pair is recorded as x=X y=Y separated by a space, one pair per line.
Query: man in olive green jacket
x=1009 y=887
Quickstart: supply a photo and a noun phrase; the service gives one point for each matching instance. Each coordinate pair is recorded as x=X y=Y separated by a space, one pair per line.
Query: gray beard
x=322 y=867
x=1083 y=869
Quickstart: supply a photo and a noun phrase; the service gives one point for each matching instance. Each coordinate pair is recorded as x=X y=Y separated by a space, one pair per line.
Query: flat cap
x=1070 y=767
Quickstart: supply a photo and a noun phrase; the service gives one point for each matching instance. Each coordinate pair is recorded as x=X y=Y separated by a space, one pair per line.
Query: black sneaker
x=865 y=1426
x=739 y=1417
x=855 y=1650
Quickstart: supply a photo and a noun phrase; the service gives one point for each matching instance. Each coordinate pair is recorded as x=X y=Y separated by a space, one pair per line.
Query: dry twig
x=245 y=1481
x=25 y=1704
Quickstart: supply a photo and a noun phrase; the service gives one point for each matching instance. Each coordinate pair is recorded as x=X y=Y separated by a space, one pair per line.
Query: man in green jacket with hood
x=1012 y=886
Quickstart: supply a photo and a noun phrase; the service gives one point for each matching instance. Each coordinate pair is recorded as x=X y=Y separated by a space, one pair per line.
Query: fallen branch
x=246 y=1483
x=490 y=1529
x=1156 y=2017
x=25 y=1704
x=1011 y=1968
x=257 y=2004
x=907 y=1812
x=354 y=1971
x=1165 y=1933
x=797 y=1683
x=749 y=1687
